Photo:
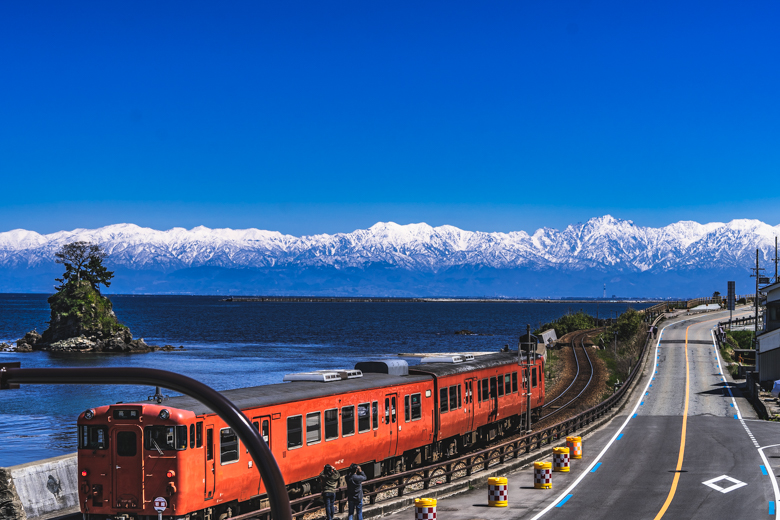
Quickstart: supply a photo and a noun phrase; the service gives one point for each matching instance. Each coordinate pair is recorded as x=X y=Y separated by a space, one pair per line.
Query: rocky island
x=82 y=319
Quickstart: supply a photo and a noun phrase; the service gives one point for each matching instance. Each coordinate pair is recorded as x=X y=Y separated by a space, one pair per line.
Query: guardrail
x=400 y=484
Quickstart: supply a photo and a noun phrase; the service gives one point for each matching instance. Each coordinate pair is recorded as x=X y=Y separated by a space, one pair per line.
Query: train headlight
x=89 y=414
x=164 y=414
x=171 y=474
x=84 y=473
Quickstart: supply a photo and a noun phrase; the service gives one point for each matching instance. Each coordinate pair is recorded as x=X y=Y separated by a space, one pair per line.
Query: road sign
x=730 y=301
x=160 y=504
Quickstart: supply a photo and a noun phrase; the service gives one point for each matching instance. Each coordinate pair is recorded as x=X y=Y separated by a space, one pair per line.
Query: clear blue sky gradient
x=309 y=117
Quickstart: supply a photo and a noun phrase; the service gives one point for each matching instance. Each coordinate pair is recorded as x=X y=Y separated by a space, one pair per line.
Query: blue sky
x=310 y=117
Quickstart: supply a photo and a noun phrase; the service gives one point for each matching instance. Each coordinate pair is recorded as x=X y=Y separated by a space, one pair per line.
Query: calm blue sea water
x=233 y=345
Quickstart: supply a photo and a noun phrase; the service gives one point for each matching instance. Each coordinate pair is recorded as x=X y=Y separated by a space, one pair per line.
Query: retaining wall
x=40 y=489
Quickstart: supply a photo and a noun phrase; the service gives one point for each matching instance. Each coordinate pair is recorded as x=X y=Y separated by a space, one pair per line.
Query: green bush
x=743 y=338
x=569 y=323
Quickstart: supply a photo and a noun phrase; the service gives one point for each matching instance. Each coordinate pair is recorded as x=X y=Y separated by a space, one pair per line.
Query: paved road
x=683 y=428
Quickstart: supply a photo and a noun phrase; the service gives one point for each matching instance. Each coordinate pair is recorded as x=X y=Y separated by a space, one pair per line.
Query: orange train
x=384 y=415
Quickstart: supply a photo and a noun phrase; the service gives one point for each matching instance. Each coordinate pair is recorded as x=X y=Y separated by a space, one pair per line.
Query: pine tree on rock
x=83 y=261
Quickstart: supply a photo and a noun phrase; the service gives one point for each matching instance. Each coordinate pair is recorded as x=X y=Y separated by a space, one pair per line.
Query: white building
x=768 y=340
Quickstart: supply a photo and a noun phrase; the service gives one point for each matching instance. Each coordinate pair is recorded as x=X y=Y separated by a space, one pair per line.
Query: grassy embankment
x=739 y=339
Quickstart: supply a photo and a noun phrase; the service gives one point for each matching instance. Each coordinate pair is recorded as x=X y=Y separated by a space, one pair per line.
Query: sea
x=239 y=344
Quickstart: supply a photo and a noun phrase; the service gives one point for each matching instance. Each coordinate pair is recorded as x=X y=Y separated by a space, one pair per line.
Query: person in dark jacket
x=355 y=479
x=329 y=483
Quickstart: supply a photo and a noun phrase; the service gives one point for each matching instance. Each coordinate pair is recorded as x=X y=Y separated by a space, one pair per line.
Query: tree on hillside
x=83 y=261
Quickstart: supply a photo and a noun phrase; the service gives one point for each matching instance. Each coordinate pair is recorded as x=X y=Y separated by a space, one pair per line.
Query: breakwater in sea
x=229 y=345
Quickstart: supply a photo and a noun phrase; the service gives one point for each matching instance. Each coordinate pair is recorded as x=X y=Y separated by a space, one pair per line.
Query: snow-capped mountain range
x=603 y=248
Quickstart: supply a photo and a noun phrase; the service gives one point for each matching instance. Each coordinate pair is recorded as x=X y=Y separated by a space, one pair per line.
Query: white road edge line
x=750 y=434
x=614 y=437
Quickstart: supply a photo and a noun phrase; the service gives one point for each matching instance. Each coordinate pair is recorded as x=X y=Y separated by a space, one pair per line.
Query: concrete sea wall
x=40 y=489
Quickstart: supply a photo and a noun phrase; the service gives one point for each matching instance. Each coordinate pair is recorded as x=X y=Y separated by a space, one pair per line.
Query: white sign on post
x=160 y=504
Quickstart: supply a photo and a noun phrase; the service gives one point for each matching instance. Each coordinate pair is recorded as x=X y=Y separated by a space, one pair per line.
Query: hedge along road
x=642 y=464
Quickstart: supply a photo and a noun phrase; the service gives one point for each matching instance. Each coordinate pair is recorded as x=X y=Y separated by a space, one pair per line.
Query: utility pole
x=757 y=273
x=776 y=280
x=527 y=373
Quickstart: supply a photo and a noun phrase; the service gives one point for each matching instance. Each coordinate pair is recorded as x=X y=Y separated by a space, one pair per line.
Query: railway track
x=580 y=383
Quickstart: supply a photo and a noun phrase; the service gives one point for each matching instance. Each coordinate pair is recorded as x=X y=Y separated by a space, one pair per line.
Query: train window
x=460 y=398
x=493 y=388
x=161 y=438
x=93 y=438
x=514 y=382
x=364 y=417
x=209 y=444
x=500 y=387
x=533 y=377
x=331 y=424
x=199 y=435
x=453 y=398
x=392 y=409
x=192 y=436
x=443 y=401
x=508 y=384
x=294 y=432
x=313 y=435
x=485 y=394
x=126 y=444
x=266 y=433
x=407 y=408
x=375 y=413
x=347 y=421
x=416 y=407
x=387 y=410
x=228 y=446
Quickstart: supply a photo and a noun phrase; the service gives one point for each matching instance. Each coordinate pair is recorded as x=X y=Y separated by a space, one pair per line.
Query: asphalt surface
x=633 y=466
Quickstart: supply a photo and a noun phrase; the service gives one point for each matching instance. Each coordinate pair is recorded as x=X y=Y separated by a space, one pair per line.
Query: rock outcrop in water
x=82 y=320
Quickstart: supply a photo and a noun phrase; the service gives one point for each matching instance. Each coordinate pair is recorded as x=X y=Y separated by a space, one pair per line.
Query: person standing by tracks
x=329 y=483
x=355 y=479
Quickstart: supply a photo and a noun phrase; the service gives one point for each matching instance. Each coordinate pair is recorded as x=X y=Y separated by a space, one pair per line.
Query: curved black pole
x=258 y=449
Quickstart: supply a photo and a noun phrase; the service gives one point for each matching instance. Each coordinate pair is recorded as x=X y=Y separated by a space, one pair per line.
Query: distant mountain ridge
x=404 y=260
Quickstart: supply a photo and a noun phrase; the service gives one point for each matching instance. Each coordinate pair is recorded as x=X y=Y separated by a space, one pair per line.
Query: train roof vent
x=443 y=359
x=393 y=367
x=322 y=376
x=344 y=373
x=468 y=357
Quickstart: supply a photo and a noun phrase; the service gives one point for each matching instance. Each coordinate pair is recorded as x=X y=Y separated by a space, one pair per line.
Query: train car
x=384 y=415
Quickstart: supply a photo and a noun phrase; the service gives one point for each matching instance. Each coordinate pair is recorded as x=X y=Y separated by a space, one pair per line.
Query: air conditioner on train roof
x=321 y=376
x=324 y=376
x=443 y=359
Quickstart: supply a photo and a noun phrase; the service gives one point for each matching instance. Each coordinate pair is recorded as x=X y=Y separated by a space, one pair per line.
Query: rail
x=401 y=484
x=581 y=339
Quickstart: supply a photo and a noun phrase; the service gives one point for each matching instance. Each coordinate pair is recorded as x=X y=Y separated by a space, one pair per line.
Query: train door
x=263 y=425
x=210 y=462
x=468 y=401
x=128 y=466
x=391 y=421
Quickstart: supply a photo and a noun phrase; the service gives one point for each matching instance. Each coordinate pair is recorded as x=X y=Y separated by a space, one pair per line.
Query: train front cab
x=128 y=455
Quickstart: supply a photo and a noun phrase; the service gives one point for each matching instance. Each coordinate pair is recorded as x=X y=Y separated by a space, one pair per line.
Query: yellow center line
x=682 y=436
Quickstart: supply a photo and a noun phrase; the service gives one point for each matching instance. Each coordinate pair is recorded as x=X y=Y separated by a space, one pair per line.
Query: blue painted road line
x=735 y=417
x=763 y=470
x=597 y=465
x=653 y=380
x=618 y=438
x=647 y=393
x=636 y=415
x=642 y=403
x=559 y=504
x=771 y=508
x=730 y=404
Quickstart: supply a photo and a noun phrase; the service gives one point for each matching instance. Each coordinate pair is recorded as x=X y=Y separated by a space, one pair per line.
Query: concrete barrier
x=44 y=488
